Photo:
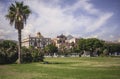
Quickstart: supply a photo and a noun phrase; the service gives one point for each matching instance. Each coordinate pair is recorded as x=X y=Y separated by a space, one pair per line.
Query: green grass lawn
x=65 y=68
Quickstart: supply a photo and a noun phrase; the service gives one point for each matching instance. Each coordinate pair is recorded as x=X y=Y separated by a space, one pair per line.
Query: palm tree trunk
x=19 y=46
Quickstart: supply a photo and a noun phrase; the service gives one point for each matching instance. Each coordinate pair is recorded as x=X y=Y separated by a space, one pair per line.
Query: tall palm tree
x=18 y=14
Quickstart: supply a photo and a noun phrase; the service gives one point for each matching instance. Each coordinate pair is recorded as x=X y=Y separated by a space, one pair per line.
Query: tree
x=105 y=52
x=26 y=56
x=31 y=54
x=37 y=54
x=91 y=44
x=51 y=49
x=112 y=47
x=18 y=14
x=82 y=45
x=8 y=52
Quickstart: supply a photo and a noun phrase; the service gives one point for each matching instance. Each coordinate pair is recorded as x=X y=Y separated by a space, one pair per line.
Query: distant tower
x=39 y=35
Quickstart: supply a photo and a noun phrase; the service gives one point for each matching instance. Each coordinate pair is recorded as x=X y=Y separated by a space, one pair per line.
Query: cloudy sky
x=80 y=18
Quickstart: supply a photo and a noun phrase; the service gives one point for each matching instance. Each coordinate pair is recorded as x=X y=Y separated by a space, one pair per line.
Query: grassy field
x=65 y=68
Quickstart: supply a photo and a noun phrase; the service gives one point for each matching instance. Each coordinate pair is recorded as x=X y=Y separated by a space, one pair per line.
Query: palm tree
x=18 y=14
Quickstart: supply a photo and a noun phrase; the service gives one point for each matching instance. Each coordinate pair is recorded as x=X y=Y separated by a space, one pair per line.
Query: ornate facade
x=66 y=41
x=39 y=41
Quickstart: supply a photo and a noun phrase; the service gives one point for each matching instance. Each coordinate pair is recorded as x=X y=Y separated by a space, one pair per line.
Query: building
x=65 y=41
x=60 y=40
x=38 y=41
x=71 y=41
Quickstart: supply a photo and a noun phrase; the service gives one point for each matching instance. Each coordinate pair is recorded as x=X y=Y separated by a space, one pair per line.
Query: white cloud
x=99 y=22
x=50 y=19
x=83 y=4
x=6 y=31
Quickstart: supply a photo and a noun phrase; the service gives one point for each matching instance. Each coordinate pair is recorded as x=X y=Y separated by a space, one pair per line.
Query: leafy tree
x=82 y=44
x=26 y=56
x=37 y=54
x=8 y=52
x=51 y=49
x=105 y=52
x=31 y=54
x=18 y=14
x=112 y=47
x=91 y=44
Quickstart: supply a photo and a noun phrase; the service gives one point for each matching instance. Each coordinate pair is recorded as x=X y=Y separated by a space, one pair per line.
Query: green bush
x=26 y=57
x=37 y=55
x=8 y=52
x=31 y=55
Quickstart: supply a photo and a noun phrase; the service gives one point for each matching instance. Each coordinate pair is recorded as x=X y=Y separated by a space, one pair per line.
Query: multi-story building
x=71 y=41
x=66 y=41
x=39 y=41
x=60 y=40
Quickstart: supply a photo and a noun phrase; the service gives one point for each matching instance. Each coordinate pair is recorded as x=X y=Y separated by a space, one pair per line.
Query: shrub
x=8 y=52
x=37 y=55
x=26 y=55
x=31 y=55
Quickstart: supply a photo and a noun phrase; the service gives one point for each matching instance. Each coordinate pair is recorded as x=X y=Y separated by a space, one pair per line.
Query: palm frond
x=18 y=12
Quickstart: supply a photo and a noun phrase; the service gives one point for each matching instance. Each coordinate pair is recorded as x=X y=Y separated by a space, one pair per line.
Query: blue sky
x=80 y=18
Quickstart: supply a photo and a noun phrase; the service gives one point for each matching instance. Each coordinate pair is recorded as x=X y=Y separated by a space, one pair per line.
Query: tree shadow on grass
x=46 y=62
